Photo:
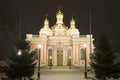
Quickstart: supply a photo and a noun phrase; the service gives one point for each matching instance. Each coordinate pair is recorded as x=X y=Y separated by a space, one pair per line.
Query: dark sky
x=105 y=18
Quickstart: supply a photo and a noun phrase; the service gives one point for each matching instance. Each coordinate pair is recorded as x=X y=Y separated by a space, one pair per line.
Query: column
x=76 y=52
x=73 y=51
x=44 y=54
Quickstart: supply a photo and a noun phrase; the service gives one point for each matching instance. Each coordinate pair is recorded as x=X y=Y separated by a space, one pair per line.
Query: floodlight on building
x=39 y=46
x=85 y=45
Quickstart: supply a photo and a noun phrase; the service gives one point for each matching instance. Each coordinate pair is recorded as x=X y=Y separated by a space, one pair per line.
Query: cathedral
x=61 y=45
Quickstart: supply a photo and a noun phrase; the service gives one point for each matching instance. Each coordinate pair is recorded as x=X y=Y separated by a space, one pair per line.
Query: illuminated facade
x=64 y=45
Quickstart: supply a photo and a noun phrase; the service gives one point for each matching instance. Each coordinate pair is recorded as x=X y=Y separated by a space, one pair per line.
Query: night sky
x=105 y=18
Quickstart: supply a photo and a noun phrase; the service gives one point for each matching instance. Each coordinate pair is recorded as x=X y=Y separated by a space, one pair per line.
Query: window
x=82 y=54
x=69 y=52
x=50 y=52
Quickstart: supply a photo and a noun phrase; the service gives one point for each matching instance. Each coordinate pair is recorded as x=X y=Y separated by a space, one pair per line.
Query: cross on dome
x=59 y=16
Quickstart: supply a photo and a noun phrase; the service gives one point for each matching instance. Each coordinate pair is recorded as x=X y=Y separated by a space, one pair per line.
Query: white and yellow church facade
x=61 y=45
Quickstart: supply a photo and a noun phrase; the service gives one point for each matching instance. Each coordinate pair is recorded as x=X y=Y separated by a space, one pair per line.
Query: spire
x=59 y=12
x=46 y=19
x=72 y=23
x=59 y=16
x=72 y=20
x=46 y=22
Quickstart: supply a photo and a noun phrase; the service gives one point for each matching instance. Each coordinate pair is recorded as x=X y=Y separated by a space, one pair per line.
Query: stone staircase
x=63 y=67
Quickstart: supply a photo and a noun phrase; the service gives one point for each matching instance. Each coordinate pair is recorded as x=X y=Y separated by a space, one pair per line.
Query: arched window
x=69 y=52
x=82 y=54
x=50 y=52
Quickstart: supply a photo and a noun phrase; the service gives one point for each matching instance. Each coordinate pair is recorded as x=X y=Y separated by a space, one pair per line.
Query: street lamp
x=19 y=52
x=39 y=46
x=50 y=62
x=85 y=45
x=70 y=62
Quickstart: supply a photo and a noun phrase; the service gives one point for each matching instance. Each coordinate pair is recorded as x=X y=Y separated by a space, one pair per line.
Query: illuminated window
x=82 y=54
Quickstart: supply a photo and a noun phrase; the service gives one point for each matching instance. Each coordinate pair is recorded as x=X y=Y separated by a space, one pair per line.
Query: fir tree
x=103 y=60
x=21 y=65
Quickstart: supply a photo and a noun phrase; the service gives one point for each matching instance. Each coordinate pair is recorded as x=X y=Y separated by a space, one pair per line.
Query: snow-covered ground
x=64 y=73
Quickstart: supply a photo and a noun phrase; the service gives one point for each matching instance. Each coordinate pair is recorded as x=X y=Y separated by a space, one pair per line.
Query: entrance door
x=59 y=57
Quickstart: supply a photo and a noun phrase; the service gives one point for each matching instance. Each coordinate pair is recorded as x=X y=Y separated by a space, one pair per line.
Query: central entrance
x=59 y=57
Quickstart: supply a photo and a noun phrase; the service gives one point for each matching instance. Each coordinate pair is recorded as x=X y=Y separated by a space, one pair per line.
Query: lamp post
x=85 y=45
x=19 y=54
x=39 y=46
x=70 y=62
x=50 y=62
